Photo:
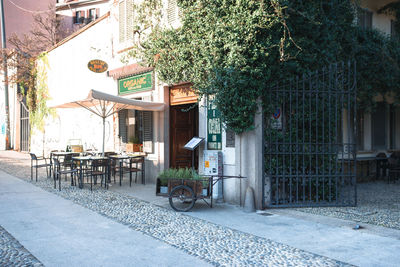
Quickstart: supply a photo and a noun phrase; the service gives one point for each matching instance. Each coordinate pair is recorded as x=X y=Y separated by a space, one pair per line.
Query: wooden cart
x=183 y=193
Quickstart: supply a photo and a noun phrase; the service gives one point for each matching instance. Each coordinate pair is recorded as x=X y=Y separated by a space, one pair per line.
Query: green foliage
x=236 y=49
x=134 y=140
x=38 y=94
x=181 y=173
x=378 y=69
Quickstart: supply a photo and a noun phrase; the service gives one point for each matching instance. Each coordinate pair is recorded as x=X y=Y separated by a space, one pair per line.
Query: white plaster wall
x=69 y=79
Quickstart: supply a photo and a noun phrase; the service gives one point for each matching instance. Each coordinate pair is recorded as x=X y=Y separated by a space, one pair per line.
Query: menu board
x=193 y=143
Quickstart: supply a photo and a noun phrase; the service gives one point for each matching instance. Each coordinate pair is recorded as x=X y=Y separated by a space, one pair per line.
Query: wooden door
x=183 y=126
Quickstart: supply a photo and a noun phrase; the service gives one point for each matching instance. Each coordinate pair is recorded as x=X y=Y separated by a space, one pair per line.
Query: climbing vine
x=235 y=49
x=38 y=94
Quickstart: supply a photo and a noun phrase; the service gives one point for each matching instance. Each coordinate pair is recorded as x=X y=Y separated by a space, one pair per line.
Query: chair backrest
x=33 y=156
x=137 y=160
x=99 y=163
x=381 y=155
x=109 y=153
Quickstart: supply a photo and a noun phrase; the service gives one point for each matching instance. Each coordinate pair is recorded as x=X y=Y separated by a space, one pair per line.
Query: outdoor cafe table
x=121 y=158
x=83 y=160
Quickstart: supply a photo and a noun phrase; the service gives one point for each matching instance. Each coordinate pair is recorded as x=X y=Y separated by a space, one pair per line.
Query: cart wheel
x=182 y=198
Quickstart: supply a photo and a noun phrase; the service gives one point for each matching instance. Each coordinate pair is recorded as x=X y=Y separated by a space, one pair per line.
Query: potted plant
x=134 y=145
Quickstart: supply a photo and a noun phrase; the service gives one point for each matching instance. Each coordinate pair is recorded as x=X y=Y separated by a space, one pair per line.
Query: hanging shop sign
x=214 y=126
x=134 y=84
x=97 y=65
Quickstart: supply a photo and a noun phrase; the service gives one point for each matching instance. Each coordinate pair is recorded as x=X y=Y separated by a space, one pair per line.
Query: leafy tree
x=47 y=30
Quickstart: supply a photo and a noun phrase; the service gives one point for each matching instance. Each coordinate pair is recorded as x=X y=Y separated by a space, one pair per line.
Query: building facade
x=163 y=134
x=18 y=20
x=77 y=13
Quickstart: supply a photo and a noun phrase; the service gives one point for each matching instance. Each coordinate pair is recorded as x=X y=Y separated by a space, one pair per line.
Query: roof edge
x=81 y=30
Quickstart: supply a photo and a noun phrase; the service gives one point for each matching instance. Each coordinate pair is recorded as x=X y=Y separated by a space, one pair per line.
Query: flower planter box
x=134 y=148
x=196 y=185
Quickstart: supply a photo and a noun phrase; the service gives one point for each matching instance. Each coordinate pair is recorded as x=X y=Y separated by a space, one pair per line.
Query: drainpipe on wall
x=7 y=108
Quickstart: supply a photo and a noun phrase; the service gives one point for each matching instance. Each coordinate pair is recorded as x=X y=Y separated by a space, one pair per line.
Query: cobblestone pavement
x=378 y=203
x=218 y=245
x=12 y=253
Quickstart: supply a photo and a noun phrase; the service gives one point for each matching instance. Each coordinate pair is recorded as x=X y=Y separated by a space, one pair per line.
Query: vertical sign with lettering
x=214 y=127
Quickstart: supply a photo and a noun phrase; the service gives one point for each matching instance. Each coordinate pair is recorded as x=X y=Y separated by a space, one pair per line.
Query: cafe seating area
x=90 y=167
x=383 y=166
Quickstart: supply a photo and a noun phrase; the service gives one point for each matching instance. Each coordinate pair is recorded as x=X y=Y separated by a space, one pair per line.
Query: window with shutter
x=147 y=131
x=126 y=19
x=129 y=19
x=121 y=22
x=123 y=130
x=172 y=11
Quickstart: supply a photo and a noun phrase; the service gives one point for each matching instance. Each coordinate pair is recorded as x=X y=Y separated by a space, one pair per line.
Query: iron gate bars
x=24 y=126
x=309 y=136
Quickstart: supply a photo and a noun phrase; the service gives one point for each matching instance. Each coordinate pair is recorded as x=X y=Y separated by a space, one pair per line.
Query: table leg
x=120 y=172
x=130 y=172
x=80 y=175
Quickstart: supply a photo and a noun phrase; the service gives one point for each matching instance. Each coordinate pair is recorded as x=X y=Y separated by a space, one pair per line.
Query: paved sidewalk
x=326 y=236
x=274 y=234
x=60 y=233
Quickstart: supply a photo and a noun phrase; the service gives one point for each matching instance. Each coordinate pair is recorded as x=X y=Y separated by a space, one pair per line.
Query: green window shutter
x=172 y=11
x=123 y=130
x=121 y=22
x=148 y=131
x=129 y=19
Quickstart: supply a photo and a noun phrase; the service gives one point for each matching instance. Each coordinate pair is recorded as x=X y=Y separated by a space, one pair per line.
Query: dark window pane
x=364 y=18
x=379 y=127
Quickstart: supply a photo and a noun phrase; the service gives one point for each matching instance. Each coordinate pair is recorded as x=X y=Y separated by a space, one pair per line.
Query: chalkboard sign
x=193 y=143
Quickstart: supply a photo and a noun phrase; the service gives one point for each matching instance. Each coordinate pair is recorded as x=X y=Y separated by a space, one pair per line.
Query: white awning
x=105 y=105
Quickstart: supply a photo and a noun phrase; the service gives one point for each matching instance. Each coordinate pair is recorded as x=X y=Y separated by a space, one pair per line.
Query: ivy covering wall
x=235 y=49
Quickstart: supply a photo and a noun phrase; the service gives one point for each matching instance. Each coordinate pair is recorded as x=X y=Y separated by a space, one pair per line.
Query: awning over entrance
x=128 y=70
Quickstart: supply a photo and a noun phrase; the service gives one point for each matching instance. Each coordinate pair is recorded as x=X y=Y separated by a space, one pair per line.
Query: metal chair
x=381 y=165
x=36 y=165
x=99 y=167
x=135 y=165
x=393 y=166
x=58 y=171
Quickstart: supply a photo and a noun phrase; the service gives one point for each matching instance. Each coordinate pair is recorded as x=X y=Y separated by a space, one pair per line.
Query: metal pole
x=3 y=41
x=104 y=134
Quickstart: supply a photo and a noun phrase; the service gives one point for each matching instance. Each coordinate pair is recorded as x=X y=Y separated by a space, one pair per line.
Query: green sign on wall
x=138 y=83
x=214 y=126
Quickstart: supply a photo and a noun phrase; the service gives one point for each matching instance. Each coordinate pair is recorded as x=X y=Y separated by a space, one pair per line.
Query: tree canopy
x=235 y=49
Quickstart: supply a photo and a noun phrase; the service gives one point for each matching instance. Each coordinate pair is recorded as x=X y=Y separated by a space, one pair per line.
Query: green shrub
x=181 y=173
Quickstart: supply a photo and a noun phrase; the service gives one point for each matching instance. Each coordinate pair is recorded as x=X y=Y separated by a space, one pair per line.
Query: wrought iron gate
x=309 y=136
x=24 y=126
